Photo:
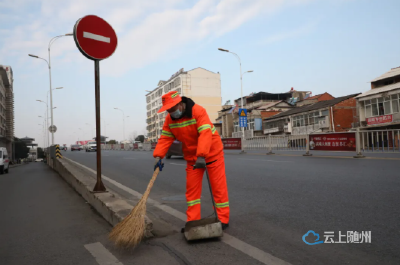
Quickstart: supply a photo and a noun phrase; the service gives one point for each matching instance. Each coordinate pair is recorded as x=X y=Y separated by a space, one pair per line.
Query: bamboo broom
x=130 y=231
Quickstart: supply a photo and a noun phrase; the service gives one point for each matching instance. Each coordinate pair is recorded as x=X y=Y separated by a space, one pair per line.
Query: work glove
x=200 y=163
x=158 y=164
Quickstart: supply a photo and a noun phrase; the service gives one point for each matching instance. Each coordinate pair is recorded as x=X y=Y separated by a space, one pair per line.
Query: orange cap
x=169 y=100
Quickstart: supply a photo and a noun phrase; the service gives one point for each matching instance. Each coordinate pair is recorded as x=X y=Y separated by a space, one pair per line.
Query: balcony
x=286 y=128
x=273 y=130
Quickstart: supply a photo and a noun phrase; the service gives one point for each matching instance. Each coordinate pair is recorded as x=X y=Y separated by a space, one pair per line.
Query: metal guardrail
x=276 y=142
x=127 y=147
x=380 y=140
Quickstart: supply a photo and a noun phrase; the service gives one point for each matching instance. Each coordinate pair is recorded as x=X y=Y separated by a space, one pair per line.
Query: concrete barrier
x=109 y=204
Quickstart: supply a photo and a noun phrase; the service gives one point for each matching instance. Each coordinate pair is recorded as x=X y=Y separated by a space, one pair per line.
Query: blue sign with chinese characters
x=242 y=117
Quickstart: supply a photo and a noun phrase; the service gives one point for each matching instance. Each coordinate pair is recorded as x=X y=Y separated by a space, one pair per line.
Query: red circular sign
x=95 y=38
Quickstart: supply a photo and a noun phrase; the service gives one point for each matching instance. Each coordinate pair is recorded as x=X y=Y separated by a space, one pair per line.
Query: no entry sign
x=95 y=38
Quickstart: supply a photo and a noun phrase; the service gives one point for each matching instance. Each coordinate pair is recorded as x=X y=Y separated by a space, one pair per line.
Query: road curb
x=109 y=204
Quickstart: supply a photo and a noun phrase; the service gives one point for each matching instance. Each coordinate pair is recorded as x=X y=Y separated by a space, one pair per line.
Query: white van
x=4 y=160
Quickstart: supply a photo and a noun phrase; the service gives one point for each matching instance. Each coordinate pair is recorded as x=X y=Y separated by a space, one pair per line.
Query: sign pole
x=96 y=40
x=99 y=187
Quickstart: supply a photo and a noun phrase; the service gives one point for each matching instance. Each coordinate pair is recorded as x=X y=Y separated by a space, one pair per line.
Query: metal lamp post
x=123 y=122
x=241 y=87
x=46 y=122
x=42 y=132
x=49 y=66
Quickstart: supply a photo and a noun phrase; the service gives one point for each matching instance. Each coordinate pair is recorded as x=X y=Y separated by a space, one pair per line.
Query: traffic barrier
x=380 y=140
x=58 y=153
x=276 y=142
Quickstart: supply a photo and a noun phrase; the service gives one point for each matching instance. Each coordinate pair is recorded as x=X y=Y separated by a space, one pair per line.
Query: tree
x=112 y=142
x=140 y=138
x=21 y=150
x=40 y=153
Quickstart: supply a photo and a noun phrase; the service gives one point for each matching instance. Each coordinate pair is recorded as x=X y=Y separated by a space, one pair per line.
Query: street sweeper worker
x=189 y=123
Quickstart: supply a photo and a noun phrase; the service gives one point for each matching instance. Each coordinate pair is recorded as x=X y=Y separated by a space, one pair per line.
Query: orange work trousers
x=219 y=188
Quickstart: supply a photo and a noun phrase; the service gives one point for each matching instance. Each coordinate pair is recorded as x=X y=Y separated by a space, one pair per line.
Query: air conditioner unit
x=323 y=124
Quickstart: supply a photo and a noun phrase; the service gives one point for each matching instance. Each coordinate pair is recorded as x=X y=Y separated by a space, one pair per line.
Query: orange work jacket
x=196 y=132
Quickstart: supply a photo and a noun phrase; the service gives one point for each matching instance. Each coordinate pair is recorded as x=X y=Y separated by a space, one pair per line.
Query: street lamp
x=49 y=66
x=46 y=122
x=123 y=122
x=241 y=87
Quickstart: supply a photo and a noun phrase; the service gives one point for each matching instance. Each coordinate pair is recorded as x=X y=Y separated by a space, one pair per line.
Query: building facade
x=258 y=103
x=201 y=85
x=379 y=108
x=335 y=115
x=7 y=109
x=225 y=118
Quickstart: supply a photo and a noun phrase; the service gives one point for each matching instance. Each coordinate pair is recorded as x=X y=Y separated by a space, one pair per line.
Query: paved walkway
x=44 y=221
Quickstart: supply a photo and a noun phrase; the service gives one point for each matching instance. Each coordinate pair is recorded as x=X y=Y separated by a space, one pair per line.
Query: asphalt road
x=275 y=200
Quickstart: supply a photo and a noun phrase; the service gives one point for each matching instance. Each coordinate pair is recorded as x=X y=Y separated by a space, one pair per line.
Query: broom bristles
x=130 y=231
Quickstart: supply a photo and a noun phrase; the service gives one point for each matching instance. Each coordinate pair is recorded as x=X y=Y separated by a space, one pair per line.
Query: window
x=381 y=106
x=250 y=124
x=374 y=106
x=395 y=103
x=177 y=81
x=236 y=126
x=325 y=112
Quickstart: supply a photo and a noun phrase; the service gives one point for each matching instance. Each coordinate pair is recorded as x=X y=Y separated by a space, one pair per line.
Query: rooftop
x=391 y=73
x=318 y=96
x=380 y=90
x=316 y=106
x=268 y=96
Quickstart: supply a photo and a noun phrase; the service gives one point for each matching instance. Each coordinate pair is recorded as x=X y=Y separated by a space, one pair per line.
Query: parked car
x=175 y=149
x=39 y=160
x=91 y=146
x=76 y=147
x=4 y=160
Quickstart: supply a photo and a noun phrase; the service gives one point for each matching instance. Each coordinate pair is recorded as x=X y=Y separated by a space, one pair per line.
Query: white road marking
x=102 y=255
x=266 y=160
x=232 y=241
x=177 y=164
x=95 y=37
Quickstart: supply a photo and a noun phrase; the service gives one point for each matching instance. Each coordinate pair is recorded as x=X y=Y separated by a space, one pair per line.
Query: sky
x=334 y=46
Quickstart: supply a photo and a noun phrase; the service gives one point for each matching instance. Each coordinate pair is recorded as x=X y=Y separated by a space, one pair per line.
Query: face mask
x=176 y=114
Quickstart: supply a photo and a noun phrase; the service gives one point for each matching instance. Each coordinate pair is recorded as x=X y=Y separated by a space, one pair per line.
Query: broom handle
x=212 y=196
x=150 y=185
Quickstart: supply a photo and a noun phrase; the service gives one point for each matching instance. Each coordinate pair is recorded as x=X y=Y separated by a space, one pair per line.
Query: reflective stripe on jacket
x=196 y=132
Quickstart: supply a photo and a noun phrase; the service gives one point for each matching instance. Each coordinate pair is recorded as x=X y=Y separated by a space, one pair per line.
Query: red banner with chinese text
x=380 y=119
x=333 y=142
x=232 y=143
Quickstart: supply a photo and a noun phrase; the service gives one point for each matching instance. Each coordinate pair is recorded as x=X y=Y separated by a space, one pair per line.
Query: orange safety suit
x=199 y=139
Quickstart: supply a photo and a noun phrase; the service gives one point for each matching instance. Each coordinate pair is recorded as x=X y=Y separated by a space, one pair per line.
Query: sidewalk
x=44 y=221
